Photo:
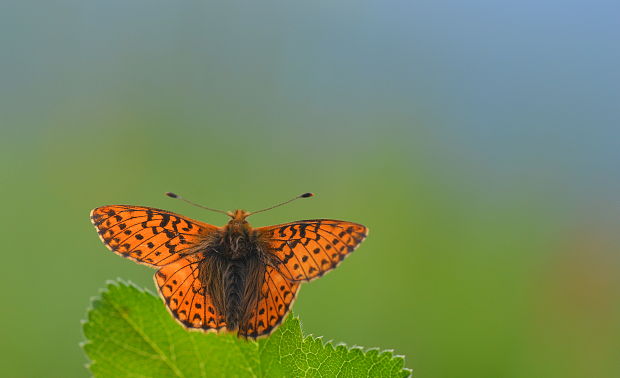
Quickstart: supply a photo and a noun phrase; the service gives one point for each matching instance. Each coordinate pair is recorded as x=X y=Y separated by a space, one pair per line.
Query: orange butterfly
x=233 y=277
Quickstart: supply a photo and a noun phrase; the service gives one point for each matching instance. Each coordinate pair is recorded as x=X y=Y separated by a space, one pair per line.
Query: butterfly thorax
x=237 y=239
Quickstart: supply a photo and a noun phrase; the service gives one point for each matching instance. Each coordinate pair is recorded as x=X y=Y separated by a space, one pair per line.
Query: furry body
x=233 y=271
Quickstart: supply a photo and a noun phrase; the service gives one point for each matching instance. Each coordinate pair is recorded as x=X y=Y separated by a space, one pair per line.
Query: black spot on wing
x=165 y=219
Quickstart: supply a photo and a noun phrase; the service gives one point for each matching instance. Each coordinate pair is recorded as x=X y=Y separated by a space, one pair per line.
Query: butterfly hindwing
x=276 y=297
x=149 y=236
x=180 y=286
x=308 y=249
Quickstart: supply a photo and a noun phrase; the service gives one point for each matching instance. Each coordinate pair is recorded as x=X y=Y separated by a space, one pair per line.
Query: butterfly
x=234 y=278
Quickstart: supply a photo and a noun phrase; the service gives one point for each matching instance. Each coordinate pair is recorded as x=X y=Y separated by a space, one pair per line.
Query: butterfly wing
x=308 y=249
x=185 y=296
x=149 y=236
x=276 y=297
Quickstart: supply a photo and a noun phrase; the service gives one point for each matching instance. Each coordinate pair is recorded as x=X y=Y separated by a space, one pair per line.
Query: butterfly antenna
x=305 y=195
x=172 y=195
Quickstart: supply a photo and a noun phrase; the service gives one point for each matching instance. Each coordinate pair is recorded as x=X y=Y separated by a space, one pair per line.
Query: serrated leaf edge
x=363 y=350
x=99 y=296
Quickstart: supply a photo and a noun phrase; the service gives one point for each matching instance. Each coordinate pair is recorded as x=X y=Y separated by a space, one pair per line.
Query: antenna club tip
x=306 y=195
x=171 y=195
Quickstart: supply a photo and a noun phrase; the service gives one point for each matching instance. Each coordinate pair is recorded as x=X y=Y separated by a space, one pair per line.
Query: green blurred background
x=478 y=140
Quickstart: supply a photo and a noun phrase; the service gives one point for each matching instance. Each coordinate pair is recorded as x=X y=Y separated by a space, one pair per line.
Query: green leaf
x=130 y=333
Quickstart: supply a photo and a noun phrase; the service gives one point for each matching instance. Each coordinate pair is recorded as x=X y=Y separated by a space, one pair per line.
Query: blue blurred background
x=478 y=140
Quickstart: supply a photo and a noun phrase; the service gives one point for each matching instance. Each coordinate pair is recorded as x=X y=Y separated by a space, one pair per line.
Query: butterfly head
x=238 y=216
x=237 y=222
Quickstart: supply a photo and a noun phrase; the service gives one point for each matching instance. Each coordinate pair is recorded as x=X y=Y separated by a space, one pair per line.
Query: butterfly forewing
x=147 y=235
x=308 y=249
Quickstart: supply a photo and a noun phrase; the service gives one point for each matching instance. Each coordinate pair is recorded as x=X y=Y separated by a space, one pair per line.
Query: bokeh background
x=478 y=140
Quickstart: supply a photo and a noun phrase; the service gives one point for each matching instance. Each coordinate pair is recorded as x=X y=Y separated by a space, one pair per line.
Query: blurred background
x=478 y=140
